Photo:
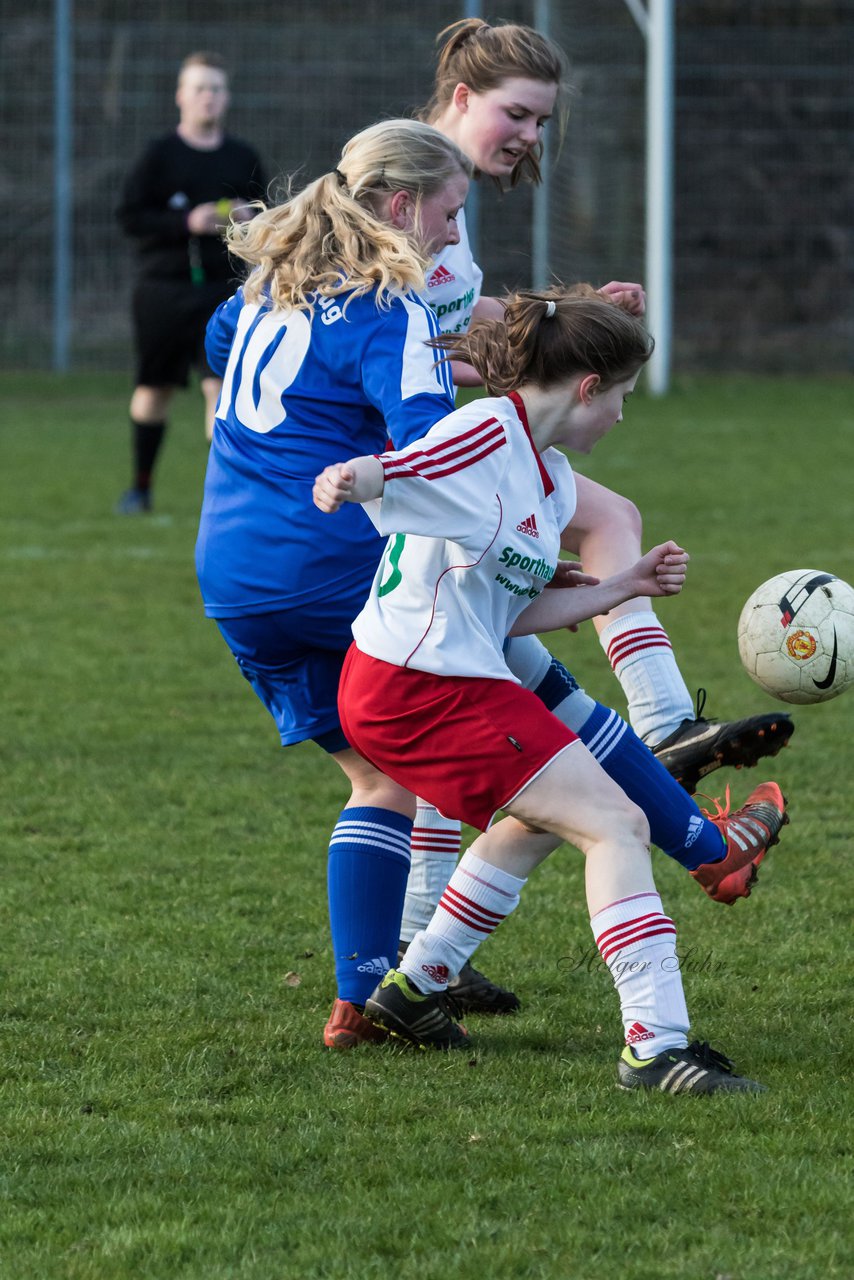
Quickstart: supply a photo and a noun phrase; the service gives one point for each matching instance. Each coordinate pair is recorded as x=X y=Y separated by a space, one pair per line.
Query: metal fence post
x=63 y=190
x=473 y=9
x=659 y=188
x=540 y=239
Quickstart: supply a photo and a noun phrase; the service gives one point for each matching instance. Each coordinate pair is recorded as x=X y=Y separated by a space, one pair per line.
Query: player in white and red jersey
x=495 y=89
x=454 y=283
x=436 y=607
x=427 y=697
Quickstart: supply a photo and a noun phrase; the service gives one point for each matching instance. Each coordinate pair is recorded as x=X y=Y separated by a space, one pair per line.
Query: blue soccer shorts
x=293 y=661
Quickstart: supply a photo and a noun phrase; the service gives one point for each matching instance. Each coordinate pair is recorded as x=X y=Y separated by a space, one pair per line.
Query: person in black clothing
x=176 y=202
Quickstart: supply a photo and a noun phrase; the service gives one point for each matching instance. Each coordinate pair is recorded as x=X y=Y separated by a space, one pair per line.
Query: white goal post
x=655 y=21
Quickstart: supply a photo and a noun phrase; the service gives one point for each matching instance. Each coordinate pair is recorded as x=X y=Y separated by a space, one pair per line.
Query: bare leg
x=572 y=799
x=151 y=404
x=576 y=801
x=372 y=788
x=606 y=533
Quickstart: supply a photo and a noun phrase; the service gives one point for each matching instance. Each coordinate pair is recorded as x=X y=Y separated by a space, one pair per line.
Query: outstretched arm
x=661 y=572
x=358 y=480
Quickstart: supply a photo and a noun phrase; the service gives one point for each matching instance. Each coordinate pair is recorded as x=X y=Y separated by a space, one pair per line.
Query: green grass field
x=166 y=1108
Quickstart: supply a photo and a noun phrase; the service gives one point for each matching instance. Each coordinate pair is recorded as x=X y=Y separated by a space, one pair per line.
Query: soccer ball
x=796 y=636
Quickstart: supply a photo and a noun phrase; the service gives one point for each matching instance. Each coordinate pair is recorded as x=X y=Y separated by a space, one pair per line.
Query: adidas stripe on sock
x=478 y=897
x=637 y=942
x=676 y=823
x=435 y=852
x=367 y=870
x=641 y=655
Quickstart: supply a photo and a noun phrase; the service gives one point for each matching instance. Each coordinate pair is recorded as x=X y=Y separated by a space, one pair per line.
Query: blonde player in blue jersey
x=321 y=351
x=495 y=89
x=427 y=697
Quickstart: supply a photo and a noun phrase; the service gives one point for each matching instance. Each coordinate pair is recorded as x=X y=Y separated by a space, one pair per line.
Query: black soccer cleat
x=700 y=746
x=473 y=992
x=408 y=1014
x=697 y=1069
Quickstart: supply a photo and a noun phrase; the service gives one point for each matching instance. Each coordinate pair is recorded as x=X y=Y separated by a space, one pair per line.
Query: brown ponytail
x=586 y=333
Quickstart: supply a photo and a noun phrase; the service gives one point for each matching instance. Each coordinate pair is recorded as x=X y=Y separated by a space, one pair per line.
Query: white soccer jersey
x=454 y=283
x=477 y=516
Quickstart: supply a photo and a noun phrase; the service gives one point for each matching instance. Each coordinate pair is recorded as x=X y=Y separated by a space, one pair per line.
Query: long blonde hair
x=329 y=239
x=549 y=336
x=482 y=56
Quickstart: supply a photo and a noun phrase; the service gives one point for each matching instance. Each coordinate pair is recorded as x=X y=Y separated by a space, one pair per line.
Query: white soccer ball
x=796 y=636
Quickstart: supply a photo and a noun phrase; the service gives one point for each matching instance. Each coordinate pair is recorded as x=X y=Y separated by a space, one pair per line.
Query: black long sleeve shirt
x=169 y=180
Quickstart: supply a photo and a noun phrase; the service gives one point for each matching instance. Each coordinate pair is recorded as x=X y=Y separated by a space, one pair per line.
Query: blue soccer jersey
x=301 y=392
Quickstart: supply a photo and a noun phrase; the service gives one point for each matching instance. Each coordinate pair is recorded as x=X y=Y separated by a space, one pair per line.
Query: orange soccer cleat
x=749 y=833
x=347 y=1028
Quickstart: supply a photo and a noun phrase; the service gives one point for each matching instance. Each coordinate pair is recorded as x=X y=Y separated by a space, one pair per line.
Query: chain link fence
x=763 y=177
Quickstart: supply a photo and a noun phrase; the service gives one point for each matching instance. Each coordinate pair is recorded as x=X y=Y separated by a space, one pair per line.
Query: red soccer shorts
x=467 y=745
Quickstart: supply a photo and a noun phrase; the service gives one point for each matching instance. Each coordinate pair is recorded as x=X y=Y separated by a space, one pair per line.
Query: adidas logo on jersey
x=529 y=526
x=637 y=1032
x=438 y=972
x=440 y=276
x=379 y=965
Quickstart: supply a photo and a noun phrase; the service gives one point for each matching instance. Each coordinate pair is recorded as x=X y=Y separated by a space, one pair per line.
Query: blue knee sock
x=675 y=822
x=367 y=873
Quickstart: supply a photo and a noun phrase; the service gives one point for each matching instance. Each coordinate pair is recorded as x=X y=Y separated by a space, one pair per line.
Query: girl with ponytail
x=497 y=88
x=322 y=351
x=476 y=513
x=370 y=226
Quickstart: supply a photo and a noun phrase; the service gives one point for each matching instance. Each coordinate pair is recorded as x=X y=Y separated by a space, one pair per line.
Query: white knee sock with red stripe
x=637 y=941
x=435 y=853
x=478 y=897
x=640 y=652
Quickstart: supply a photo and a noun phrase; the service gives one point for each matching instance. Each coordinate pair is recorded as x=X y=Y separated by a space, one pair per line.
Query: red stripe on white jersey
x=450 y=456
x=449 y=466
x=548 y=484
x=473 y=432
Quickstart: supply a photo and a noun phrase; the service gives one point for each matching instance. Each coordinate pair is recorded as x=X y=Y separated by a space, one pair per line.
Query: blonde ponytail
x=329 y=239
